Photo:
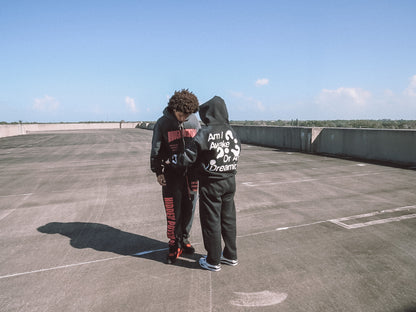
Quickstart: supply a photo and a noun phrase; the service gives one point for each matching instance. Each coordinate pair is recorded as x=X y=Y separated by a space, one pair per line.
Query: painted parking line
x=14 y=195
x=339 y=221
x=80 y=263
x=59 y=267
x=149 y=252
x=352 y=222
x=267 y=183
x=5 y=213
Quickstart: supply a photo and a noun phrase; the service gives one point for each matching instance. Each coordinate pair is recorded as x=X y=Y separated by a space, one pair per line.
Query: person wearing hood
x=215 y=151
x=171 y=133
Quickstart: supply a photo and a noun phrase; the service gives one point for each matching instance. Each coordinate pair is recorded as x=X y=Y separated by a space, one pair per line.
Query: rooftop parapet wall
x=11 y=130
x=385 y=145
x=393 y=146
x=19 y=129
x=295 y=138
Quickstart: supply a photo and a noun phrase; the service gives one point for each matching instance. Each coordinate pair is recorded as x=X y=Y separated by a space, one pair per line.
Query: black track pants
x=218 y=218
x=179 y=198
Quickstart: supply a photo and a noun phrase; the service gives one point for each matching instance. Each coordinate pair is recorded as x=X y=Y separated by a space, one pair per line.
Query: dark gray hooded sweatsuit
x=215 y=151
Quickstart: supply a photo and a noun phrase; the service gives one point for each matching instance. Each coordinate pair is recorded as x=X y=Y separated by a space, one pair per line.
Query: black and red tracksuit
x=215 y=151
x=180 y=193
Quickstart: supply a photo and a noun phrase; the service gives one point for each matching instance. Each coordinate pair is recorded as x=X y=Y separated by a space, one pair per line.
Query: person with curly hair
x=171 y=133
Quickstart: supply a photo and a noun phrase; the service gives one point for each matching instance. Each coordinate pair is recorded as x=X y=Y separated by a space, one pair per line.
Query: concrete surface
x=82 y=228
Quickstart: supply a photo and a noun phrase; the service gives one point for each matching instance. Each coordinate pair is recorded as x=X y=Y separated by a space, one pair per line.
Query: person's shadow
x=102 y=237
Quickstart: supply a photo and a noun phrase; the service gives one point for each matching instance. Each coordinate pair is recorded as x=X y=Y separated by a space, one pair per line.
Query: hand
x=161 y=179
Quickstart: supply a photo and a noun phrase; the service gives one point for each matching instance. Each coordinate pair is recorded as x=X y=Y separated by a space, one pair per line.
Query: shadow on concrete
x=105 y=238
x=409 y=308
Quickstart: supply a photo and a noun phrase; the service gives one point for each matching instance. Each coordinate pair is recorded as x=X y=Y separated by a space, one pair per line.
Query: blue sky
x=269 y=59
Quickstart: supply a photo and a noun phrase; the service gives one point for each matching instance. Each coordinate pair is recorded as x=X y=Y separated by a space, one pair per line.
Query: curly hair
x=184 y=101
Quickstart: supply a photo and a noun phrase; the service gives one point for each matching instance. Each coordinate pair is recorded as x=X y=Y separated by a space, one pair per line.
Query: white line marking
x=370 y=214
x=265 y=183
x=6 y=213
x=254 y=234
x=300 y=225
x=282 y=229
x=335 y=221
x=340 y=222
x=13 y=195
x=149 y=251
x=80 y=263
x=59 y=267
x=381 y=221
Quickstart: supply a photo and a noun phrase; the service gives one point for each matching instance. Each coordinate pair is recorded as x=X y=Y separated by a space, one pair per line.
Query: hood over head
x=214 y=111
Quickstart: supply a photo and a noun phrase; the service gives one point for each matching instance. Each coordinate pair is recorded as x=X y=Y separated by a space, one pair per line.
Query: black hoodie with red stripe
x=170 y=137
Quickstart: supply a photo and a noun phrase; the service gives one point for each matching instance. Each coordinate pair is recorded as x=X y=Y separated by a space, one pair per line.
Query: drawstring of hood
x=185 y=173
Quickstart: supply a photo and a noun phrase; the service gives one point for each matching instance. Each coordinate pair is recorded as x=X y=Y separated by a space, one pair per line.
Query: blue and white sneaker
x=226 y=261
x=205 y=265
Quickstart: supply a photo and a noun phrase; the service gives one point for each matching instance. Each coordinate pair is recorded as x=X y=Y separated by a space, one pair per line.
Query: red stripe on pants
x=171 y=219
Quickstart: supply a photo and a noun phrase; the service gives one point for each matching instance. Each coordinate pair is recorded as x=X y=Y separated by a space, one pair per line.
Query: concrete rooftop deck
x=82 y=228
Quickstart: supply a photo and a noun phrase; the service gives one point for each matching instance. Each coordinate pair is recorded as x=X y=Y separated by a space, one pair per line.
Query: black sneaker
x=174 y=252
x=187 y=247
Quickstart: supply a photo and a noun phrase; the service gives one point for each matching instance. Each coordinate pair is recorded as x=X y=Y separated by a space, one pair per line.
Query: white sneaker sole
x=228 y=261
x=205 y=265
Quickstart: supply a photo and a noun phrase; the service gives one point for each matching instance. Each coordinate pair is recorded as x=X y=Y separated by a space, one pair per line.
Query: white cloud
x=262 y=82
x=248 y=102
x=237 y=94
x=46 y=104
x=352 y=103
x=344 y=103
x=411 y=89
x=131 y=104
x=388 y=93
x=348 y=96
